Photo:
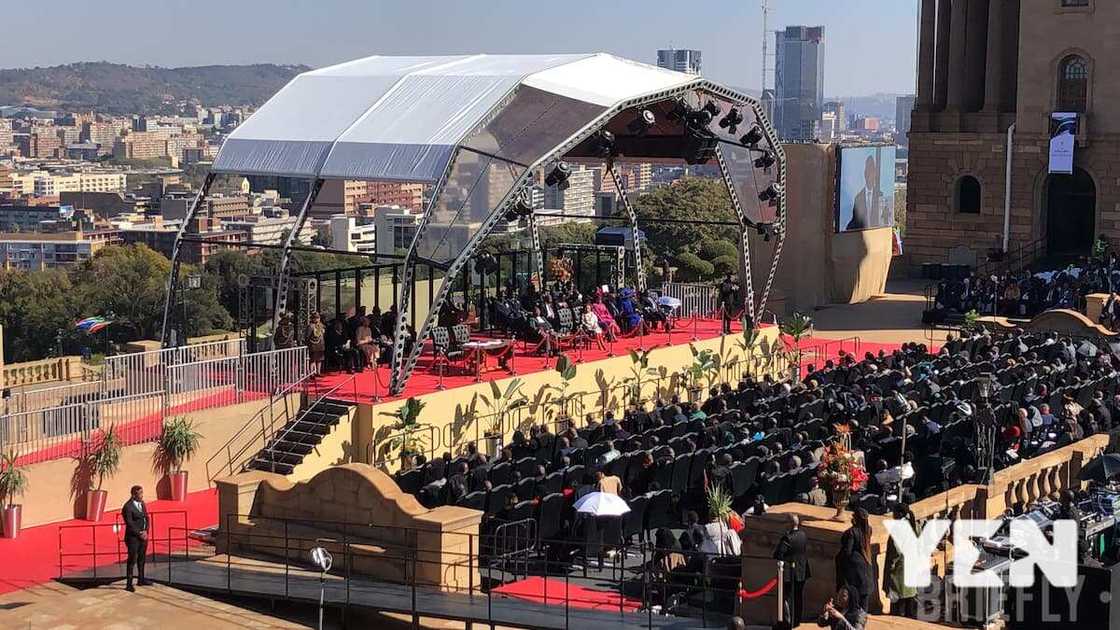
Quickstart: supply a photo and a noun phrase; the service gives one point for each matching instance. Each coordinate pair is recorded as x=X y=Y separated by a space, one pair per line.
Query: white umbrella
x=602 y=504
x=670 y=302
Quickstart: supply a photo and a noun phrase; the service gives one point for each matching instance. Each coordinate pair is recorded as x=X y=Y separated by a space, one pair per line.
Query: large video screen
x=866 y=198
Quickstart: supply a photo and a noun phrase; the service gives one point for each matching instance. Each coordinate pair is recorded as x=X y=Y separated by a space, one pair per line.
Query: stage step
x=298 y=438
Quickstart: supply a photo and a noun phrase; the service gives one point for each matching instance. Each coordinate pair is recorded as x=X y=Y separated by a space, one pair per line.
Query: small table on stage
x=480 y=350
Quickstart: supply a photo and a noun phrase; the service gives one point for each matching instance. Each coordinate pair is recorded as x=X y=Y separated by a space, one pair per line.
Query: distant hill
x=121 y=89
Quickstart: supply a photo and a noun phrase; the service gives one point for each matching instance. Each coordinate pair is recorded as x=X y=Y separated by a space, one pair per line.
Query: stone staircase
x=288 y=446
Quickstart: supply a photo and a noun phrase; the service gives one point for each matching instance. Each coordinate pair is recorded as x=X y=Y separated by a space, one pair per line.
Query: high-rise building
x=799 y=81
x=680 y=59
x=5 y=134
x=577 y=198
x=836 y=108
x=404 y=194
x=983 y=67
x=903 y=105
x=338 y=196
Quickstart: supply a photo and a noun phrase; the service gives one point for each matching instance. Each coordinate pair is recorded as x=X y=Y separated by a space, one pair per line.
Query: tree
x=130 y=287
x=691 y=267
x=691 y=198
x=711 y=250
x=34 y=308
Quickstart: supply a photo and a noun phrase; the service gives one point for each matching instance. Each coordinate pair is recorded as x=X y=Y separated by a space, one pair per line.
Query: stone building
x=983 y=66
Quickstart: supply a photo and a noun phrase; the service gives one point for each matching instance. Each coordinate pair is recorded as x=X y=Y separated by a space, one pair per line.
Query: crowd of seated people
x=1026 y=293
x=762 y=440
x=545 y=317
x=360 y=341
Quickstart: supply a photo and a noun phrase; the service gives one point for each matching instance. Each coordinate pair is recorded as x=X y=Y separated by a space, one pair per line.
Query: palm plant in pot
x=408 y=423
x=567 y=372
x=795 y=328
x=13 y=483
x=178 y=442
x=640 y=371
x=102 y=460
x=500 y=404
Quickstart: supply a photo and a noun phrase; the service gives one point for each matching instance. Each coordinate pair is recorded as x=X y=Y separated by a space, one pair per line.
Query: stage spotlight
x=765 y=230
x=681 y=111
x=523 y=205
x=640 y=125
x=765 y=161
x=602 y=144
x=770 y=194
x=731 y=120
x=559 y=175
x=511 y=215
x=700 y=148
x=752 y=137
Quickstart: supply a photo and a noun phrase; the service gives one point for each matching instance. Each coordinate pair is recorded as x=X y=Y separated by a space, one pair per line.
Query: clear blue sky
x=870 y=43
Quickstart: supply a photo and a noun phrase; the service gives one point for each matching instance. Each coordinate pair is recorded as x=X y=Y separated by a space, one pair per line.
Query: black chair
x=497 y=499
x=681 y=465
x=520 y=511
x=550 y=518
x=500 y=473
x=526 y=489
x=635 y=521
x=554 y=482
x=442 y=349
x=527 y=466
x=411 y=481
x=659 y=510
x=474 y=501
x=663 y=474
x=573 y=475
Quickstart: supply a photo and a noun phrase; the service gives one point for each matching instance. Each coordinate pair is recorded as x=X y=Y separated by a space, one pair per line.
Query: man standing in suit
x=792 y=551
x=865 y=207
x=135 y=515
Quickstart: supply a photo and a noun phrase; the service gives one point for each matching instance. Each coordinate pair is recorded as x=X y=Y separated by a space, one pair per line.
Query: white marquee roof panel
x=402 y=117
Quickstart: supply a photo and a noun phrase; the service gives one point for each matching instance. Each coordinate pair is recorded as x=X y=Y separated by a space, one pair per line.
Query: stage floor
x=371 y=384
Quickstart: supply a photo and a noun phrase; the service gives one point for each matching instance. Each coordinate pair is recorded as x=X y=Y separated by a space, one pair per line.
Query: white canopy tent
x=477 y=128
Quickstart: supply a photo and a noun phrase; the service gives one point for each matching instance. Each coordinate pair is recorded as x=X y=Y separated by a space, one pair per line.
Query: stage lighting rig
x=731 y=120
x=559 y=175
x=765 y=230
x=641 y=125
x=602 y=144
x=522 y=207
x=765 y=161
x=770 y=194
x=752 y=137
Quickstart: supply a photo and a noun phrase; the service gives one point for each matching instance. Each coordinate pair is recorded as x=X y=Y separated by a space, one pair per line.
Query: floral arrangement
x=841 y=470
x=561 y=269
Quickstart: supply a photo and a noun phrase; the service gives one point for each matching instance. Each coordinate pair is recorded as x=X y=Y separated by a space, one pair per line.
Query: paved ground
x=894 y=317
x=56 y=607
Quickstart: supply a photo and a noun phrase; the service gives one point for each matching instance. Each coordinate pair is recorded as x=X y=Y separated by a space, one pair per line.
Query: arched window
x=966 y=196
x=1073 y=84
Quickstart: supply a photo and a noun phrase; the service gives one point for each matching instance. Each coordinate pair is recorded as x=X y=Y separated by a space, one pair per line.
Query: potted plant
x=103 y=459
x=639 y=369
x=705 y=365
x=795 y=328
x=501 y=403
x=13 y=483
x=567 y=371
x=408 y=423
x=178 y=442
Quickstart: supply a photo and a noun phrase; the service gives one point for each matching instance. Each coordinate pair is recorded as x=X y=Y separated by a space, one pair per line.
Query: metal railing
x=136 y=393
x=81 y=549
x=696 y=299
x=459 y=576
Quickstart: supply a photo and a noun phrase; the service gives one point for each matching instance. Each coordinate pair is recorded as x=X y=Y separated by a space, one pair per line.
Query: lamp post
x=193 y=281
x=322 y=560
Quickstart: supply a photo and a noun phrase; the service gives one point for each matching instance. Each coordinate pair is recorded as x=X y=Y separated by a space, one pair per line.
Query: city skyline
x=727 y=32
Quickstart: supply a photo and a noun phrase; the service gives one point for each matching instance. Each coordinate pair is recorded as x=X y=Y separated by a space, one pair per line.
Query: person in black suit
x=135 y=516
x=791 y=550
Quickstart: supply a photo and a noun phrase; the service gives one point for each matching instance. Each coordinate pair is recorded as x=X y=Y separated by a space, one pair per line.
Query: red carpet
x=425 y=379
x=551 y=591
x=33 y=558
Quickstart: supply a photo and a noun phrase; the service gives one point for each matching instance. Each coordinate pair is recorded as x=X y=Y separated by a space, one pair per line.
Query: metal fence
x=137 y=391
x=696 y=299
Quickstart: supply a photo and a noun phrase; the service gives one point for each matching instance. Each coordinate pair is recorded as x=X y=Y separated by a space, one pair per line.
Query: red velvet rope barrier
x=766 y=588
